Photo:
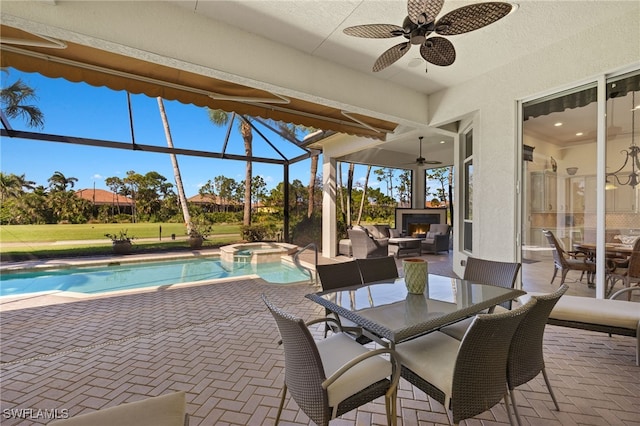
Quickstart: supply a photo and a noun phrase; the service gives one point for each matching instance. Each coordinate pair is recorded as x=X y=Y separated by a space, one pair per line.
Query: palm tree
x=13 y=98
x=176 y=169
x=59 y=182
x=221 y=118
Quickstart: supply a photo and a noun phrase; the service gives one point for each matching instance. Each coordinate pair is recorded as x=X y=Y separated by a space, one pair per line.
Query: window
x=467 y=194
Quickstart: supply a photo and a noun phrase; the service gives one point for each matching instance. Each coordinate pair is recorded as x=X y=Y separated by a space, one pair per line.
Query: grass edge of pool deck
x=55 y=297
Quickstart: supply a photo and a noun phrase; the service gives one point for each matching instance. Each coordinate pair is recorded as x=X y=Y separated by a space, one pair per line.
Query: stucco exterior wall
x=492 y=99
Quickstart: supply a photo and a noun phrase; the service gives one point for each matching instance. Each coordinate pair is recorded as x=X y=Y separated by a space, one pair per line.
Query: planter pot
x=122 y=247
x=416 y=274
x=196 y=242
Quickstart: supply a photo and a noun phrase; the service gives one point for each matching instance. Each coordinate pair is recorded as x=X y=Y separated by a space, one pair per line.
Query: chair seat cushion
x=457 y=330
x=432 y=357
x=337 y=350
x=613 y=313
x=164 y=410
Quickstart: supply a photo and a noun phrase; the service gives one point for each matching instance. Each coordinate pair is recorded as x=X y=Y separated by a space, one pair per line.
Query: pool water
x=103 y=279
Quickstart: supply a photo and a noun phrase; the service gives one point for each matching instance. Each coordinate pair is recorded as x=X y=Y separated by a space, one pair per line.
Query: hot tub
x=260 y=252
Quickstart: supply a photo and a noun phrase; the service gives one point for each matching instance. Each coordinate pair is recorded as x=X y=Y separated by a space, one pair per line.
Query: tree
x=176 y=169
x=258 y=189
x=221 y=118
x=12 y=185
x=386 y=175
x=364 y=194
x=404 y=186
x=13 y=98
x=58 y=182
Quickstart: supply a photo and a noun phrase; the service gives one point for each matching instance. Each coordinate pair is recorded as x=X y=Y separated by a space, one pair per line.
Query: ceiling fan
x=421 y=23
x=421 y=161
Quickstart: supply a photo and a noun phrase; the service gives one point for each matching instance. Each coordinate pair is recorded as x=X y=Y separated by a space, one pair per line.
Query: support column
x=329 y=196
x=418 y=188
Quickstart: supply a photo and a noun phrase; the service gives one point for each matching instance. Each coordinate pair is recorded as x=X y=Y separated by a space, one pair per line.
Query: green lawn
x=49 y=233
x=36 y=239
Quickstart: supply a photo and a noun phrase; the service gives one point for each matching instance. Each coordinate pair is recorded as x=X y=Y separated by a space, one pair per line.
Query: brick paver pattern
x=218 y=343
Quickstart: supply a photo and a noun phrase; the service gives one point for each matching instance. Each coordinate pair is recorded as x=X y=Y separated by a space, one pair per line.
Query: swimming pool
x=109 y=278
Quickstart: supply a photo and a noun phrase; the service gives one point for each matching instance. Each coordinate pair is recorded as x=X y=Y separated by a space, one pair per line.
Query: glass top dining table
x=391 y=315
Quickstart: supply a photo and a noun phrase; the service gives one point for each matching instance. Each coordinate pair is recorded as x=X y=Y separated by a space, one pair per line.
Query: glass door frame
x=601 y=160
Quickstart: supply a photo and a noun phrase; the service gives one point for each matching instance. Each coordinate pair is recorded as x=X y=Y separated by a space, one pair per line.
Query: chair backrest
x=480 y=373
x=439 y=228
x=558 y=251
x=634 y=260
x=338 y=275
x=526 y=357
x=304 y=372
x=361 y=243
x=502 y=274
x=377 y=268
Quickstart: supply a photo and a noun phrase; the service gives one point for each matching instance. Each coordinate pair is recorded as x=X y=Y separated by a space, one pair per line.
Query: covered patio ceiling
x=284 y=60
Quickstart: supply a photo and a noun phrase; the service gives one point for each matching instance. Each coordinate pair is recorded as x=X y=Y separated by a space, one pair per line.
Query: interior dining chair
x=526 y=355
x=330 y=377
x=468 y=376
x=491 y=272
x=377 y=268
x=334 y=276
x=625 y=270
x=565 y=261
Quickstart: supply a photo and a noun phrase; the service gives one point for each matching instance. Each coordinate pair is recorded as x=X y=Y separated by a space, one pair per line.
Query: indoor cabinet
x=544 y=192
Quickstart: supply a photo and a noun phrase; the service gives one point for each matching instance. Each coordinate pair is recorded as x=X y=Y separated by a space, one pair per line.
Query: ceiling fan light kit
x=420 y=25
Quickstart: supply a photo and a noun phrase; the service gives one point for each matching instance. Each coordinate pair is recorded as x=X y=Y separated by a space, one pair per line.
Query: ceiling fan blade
x=438 y=51
x=390 y=56
x=471 y=17
x=418 y=9
x=374 y=31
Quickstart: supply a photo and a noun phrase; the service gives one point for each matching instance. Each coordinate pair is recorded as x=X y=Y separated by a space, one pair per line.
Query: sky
x=78 y=109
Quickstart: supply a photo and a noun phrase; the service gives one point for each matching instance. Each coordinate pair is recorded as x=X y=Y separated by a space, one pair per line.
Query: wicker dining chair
x=334 y=276
x=565 y=261
x=377 y=268
x=467 y=377
x=335 y=375
x=491 y=272
x=526 y=356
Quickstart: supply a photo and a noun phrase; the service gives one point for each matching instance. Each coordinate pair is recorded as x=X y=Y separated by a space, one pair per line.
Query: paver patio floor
x=217 y=342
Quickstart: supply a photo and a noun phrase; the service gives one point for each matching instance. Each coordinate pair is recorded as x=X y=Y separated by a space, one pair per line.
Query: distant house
x=102 y=197
x=213 y=203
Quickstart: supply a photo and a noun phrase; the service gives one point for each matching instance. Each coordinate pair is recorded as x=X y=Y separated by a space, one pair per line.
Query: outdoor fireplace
x=418 y=221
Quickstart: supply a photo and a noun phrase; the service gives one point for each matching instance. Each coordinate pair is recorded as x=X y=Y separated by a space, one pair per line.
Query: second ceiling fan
x=421 y=161
x=420 y=24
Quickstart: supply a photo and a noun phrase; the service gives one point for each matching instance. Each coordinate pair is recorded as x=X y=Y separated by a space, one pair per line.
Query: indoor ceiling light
x=558 y=124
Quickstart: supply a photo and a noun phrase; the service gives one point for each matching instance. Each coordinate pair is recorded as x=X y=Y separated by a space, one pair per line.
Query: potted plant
x=197 y=234
x=121 y=242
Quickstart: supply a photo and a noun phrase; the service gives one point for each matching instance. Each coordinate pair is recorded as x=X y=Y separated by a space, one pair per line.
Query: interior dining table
x=612 y=249
x=389 y=314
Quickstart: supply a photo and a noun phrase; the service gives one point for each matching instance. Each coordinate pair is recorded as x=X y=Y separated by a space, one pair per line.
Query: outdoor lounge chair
x=469 y=376
x=333 y=376
x=437 y=239
x=364 y=246
x=163 y=410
